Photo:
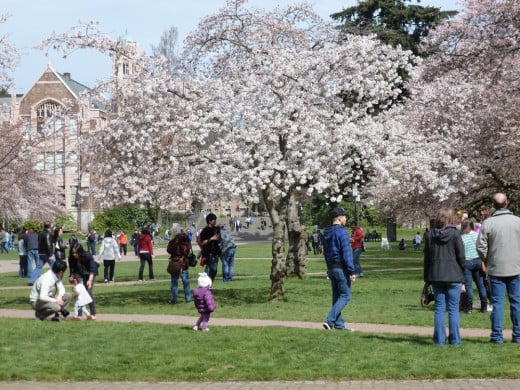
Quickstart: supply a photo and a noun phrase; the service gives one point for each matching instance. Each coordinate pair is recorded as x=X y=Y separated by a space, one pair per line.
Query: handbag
x=192 y=259
x=427 y=295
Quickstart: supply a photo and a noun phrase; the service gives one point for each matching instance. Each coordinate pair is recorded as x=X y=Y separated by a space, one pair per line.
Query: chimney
x=66 y=75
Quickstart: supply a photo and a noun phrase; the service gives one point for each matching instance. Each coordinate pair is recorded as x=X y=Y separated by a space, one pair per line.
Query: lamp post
x=356 y=197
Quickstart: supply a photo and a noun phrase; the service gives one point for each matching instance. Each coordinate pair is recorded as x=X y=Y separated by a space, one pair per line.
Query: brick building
x=54 y=114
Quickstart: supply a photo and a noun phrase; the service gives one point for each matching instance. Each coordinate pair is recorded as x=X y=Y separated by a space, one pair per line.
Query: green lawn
x=132 y=351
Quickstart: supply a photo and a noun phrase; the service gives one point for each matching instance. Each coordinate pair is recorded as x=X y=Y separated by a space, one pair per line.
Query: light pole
x=356 y=197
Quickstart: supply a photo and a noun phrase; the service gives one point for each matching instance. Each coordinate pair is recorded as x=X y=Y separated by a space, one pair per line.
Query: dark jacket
x=444 y=256
x=336 y=247
x=84 y=266
x=45 y=245
x=31 y=241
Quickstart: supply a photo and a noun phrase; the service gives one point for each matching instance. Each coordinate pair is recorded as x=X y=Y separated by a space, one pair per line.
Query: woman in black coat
x=82 y=263
x=444 y=269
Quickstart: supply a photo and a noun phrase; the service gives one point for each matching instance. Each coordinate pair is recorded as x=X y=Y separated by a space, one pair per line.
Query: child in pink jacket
x=204 y=301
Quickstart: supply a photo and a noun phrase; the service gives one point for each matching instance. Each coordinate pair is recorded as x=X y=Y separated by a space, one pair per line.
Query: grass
x=154 y=352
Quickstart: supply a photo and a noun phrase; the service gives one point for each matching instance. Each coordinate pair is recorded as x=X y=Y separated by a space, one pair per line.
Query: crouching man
x=48 y=294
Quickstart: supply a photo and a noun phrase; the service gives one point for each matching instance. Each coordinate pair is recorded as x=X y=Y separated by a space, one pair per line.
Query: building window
x=60 y=163
x=49 y=120
x=73 y=133
x=126 y=69
x=74 y=196
x=26 y=128
x=49 y=163
x=40 y=161
x=73 y=162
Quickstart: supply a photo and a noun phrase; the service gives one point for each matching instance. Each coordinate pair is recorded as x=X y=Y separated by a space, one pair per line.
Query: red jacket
x=145 y=243
x=357 y=237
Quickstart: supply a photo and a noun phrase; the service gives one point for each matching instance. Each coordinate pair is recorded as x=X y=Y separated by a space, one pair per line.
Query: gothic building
x=54 y=114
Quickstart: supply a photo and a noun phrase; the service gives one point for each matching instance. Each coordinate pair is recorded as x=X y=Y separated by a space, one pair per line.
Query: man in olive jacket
x=498 y=245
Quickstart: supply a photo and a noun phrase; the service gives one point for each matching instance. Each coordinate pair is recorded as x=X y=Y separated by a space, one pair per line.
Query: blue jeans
x=185 y=284
x=472 y=272
x=42 y=259
x=499 y=286
x=32 y=260
x=211 y=266
x=341 y=294
x=228 y=264
x=356 y=257
x=447 y=297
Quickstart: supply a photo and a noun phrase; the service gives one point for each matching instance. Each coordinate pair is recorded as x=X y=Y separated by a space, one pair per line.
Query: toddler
x=204 y=301
x=82 y=297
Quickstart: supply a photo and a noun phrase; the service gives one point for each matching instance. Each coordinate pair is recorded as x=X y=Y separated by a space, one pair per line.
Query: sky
x=31 y=21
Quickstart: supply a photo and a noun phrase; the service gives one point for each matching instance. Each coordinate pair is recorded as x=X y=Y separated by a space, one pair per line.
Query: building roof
x=76 y=87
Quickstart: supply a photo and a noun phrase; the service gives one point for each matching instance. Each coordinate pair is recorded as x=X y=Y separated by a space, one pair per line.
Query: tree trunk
x=296 y=262
x=278 y=267
x=391 y=228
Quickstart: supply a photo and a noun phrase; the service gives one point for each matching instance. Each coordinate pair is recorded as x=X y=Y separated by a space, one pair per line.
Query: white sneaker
x=195 y=328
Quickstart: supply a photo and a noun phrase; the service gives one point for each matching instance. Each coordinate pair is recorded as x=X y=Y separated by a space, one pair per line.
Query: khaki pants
x=44 y=309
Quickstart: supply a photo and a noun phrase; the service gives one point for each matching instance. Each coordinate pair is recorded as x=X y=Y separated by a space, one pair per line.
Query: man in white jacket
x=48 y=294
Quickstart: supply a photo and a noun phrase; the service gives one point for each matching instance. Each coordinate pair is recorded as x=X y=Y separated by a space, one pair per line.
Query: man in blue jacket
x=340 y=267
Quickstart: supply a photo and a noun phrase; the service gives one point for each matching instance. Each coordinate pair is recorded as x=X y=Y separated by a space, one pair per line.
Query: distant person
x=48 y=296
x=92 y=239
x=145 y=248
x=473 y=271
x=209 y=239
x=31 y=248
x=22 y=256
x=45 y=251
x=204 y=301
x=135 y=242
x=179 y=247
x=4 y=240
x=356 y=243
x=122 y=241
x=340 y=267
x=228 y=250
x=402 y=245
x=59 y=245
x=444 y=265
x=109 y=253
x=498 y=245
x=82 y=298
x=417 y=242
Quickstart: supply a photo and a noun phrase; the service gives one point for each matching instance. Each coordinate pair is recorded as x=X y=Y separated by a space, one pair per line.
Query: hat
x=337 y=211
x=176 y=228
x=204 y=280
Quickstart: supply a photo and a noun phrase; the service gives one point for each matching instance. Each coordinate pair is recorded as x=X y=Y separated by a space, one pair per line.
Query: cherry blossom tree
x=24 y=191
x=468 y=97
x=265 y=104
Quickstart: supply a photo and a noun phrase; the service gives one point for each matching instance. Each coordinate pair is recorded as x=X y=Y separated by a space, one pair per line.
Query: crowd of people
x=457 y=253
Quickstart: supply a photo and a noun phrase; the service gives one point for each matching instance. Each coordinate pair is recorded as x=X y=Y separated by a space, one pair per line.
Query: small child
x=82 y=296
x=204 y=301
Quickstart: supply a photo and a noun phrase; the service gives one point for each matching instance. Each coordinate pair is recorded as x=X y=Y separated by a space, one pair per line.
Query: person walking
x=228 y=251
x=498 y=245
x=45 y=251
x=109 y=252
x=59 y=245
x=179 y=247
x=356 y=242
x=209 y=239
x=82 y=262
x=145 y=249
x=340 y=267
x=122 y=240
x=444 y=265
x=31 y=248
x=473 y=271
x=48 y=294
x=22 y=256
x=204 y=301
